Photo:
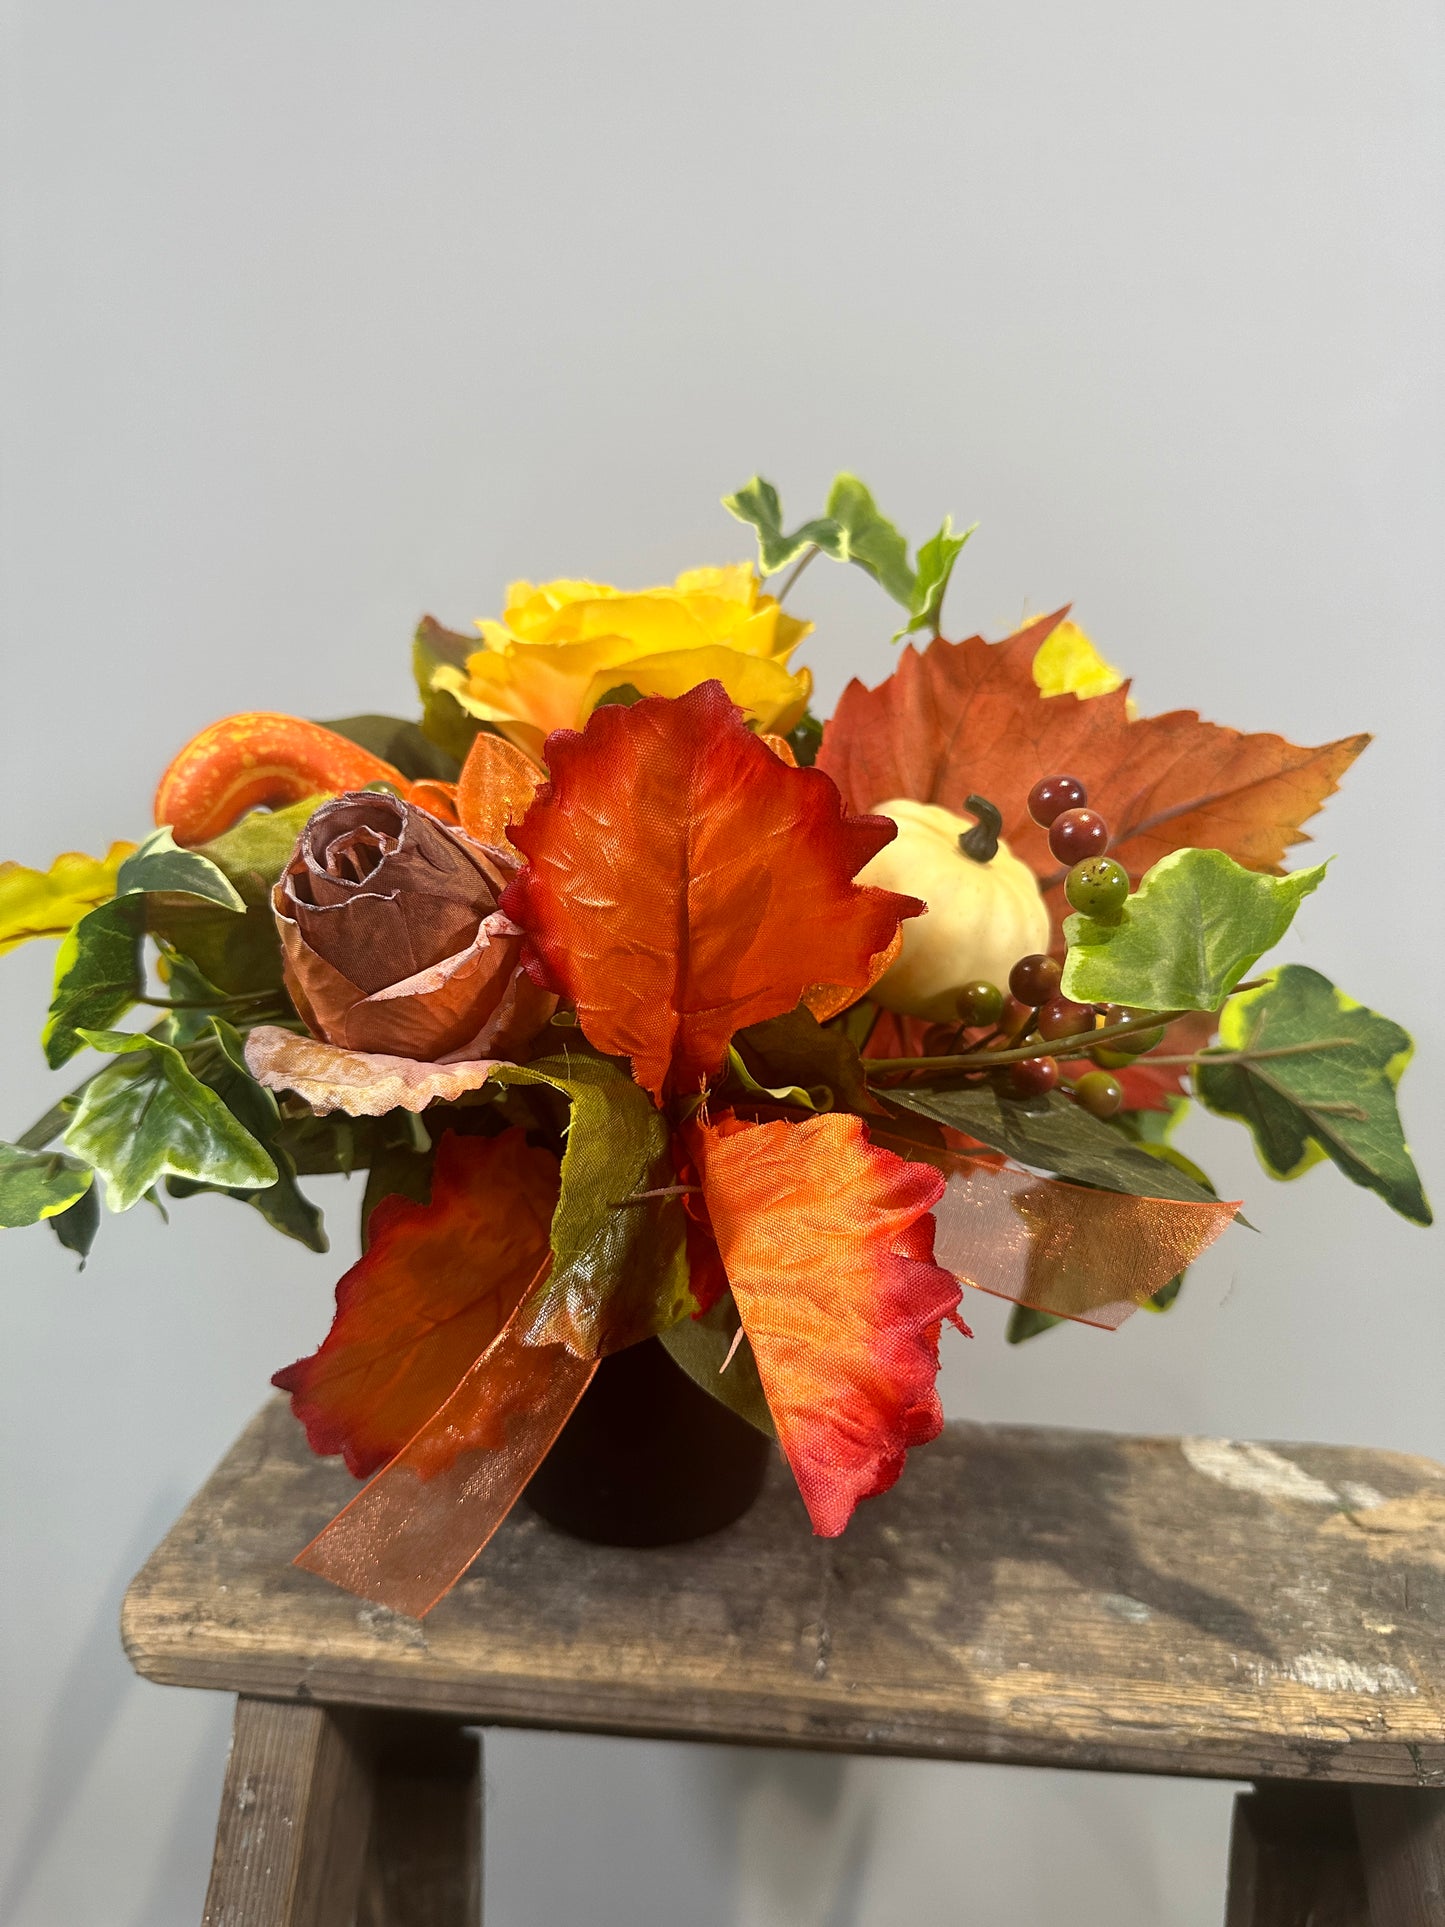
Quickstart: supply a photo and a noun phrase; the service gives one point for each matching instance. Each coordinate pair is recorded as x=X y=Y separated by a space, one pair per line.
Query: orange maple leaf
x=683 y=882
x=967 y=717
x=827 y=1241
x=437 y=1284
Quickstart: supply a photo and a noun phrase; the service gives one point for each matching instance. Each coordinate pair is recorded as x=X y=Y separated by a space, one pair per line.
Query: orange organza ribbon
x=407 y=1538
x=1093 y=1256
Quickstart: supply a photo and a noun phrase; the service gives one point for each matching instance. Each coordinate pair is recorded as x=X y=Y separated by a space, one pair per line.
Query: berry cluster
x=1096 y=884
x=1033 y=1010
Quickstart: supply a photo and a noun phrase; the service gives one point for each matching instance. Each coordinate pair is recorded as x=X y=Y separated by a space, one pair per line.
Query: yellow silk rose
x=561 y=646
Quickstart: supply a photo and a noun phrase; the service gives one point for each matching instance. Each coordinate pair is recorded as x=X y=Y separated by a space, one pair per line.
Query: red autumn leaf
x=436 y=1286
x=683 y=882
x=967 y=717
x=827 y=1243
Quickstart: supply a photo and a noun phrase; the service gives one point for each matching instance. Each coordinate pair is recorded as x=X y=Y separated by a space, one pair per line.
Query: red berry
x=1061 y=1017
x=1014 y=1016
x=1034 y=1076
x=1054 y=794
x=1100 y=1094
x=1033 y=980
x=1078 y=834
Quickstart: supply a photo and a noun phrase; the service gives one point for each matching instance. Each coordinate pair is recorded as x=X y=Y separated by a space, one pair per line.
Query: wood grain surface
x=295 y=1814
x=1046 y=1597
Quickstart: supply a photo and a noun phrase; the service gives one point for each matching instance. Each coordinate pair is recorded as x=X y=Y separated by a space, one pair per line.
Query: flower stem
x=803 y=561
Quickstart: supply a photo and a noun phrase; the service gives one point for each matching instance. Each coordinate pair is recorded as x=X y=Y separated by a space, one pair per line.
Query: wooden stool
x=1024 y=1596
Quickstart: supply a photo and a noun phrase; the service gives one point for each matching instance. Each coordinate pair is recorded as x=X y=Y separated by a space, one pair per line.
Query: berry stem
x=984 y=1060
x=1254 y=1056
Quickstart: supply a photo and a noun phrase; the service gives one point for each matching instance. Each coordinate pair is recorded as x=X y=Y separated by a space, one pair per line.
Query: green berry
x=1099 y=887
x=1099 y=1093
x=979 y=1002
x=1137 y=1042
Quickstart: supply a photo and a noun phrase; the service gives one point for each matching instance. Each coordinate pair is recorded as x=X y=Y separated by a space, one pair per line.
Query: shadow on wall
x=86 y=1709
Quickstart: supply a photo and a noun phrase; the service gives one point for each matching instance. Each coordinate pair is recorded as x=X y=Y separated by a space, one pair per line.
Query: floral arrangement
x=653 y=1007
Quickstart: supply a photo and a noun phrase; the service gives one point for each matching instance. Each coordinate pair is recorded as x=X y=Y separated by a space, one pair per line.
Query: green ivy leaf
x=805 y=739
x=1024 y=1322
x=1316 y=1078
x=869 y=538
x=796 y=1050
x=98 y=976
x=76 y=1228
x=402 y=744
x=1197 y=923
x=936 y=558
x=147 y=1117
x=160 y=865
x=38 y=1184
x=1051 y=1133
x=758 y=504
x=619 y=1270
x=701 y=1345
x=444 y=721
x=283 y=1204
x=252 y=854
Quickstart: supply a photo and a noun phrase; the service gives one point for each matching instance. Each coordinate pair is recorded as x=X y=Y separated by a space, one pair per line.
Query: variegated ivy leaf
x=936 y=558
x=1197 y=923
x=1314 y=1075
x=160 y=865
x=284 y=1206
x=147 y=1117
x=39 y=1184
x=99 y=970
x=758 y=504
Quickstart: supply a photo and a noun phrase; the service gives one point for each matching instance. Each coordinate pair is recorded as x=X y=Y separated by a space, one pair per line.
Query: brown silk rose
x=392 y=939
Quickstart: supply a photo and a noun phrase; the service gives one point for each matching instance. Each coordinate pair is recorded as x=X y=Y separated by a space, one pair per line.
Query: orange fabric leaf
x=438 y=799
x=827 y=1000
x=437 y=1284
x=827 y=1243
x=968 y=716
x=260 y=760
x=683 y=882
x=408 y=1538
x=495 y=788
x=1094 y=1256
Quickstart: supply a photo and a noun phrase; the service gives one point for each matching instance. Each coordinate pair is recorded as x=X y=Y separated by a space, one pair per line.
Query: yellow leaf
x=1068 y=664
x=47 y=903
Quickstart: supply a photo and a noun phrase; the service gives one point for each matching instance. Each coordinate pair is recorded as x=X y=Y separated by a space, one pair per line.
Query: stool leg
x=1402 y=1839
x=425 y=1867
x=295 y=1815
x=1294 y=1860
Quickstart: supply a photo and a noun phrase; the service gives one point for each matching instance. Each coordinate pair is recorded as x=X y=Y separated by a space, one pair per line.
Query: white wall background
x=318 y=315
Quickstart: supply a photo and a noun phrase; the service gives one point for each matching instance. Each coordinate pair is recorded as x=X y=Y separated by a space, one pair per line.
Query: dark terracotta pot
x=648 y=1458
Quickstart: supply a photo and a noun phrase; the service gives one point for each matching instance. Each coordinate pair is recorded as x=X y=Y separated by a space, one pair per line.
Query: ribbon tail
x=406 y=1539
x=1066 y=1249
x=1092 y=1256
